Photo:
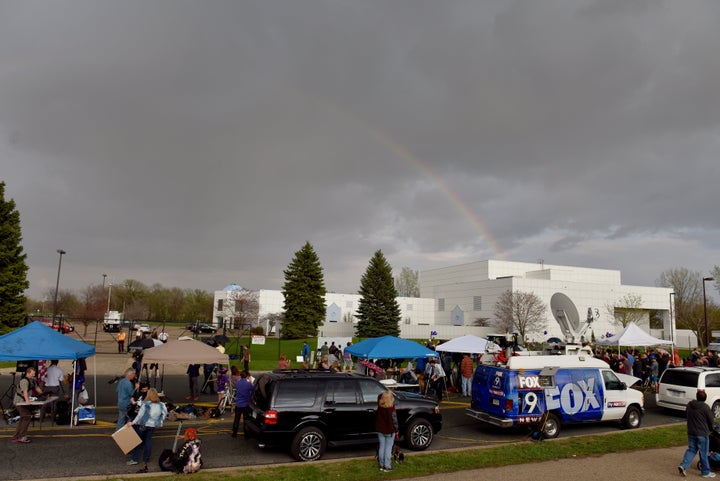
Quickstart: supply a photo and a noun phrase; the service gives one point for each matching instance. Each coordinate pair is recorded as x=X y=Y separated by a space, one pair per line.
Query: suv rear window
x=680 y=377
x=300 y=393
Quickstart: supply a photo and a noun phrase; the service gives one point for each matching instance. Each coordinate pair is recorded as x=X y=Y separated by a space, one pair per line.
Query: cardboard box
x=126 y=439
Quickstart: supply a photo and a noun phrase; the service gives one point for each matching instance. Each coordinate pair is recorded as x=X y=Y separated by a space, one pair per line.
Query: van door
x=616 y=399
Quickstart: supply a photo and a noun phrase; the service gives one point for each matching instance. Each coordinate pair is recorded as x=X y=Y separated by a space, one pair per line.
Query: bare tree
x=687 y=286
x=406 y=283
x=240 y=310
x=92 y=306
x=519 y=311
x=627 y=309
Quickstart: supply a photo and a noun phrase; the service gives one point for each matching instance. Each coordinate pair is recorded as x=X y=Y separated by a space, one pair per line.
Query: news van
x=547 y=391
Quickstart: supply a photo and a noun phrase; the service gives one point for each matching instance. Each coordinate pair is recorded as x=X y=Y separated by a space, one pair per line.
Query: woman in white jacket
x=151 y=415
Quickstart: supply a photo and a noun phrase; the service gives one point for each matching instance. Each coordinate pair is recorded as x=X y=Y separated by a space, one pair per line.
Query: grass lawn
x=423 y=464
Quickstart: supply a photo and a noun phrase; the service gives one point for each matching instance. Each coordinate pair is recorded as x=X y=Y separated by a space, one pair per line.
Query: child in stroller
x=188 y=459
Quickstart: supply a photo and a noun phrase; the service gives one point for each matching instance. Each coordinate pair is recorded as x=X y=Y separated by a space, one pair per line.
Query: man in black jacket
x=700 y=421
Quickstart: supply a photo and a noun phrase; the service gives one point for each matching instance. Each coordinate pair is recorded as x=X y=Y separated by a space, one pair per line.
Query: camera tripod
x=7 y=402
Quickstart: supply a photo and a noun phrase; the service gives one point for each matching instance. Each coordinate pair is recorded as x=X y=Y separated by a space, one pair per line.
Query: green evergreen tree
x=304 y=292
x=378 y=311
x=13 y=269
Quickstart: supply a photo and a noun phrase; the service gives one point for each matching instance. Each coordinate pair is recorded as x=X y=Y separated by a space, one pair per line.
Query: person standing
x=246 y=358
x=125 y=390
x=23 y=391
x=305 y=352
x=193 y=372
x=386 y=425
x=53 y=385
x=699 y=425
x=151 y=415
x=466 y=372
x=243 y=392
x=347 y=359
x=121 y=341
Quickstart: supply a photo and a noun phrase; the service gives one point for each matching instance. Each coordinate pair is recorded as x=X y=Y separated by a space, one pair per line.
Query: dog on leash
x=397 y=455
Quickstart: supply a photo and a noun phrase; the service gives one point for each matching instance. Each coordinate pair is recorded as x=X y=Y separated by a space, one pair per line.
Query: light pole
x=109 y=294
x=57 y=285
x=707 y=329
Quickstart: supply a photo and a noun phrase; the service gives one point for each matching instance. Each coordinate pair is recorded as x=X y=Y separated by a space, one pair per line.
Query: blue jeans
x=385 y=450
x=466 y=385
x=697 y=444
x=145 y=434
x=122 y=418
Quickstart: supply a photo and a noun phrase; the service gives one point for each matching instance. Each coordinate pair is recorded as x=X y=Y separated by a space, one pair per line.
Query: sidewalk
x=655 y=464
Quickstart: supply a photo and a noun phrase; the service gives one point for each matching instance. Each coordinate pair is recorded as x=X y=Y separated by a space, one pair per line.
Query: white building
x=467 y=292
x=452 y=298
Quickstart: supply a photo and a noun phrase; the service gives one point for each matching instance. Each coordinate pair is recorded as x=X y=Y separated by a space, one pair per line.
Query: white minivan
x=678 y=386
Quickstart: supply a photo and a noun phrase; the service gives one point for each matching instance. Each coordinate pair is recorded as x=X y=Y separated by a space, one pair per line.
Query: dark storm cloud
x=195 y=144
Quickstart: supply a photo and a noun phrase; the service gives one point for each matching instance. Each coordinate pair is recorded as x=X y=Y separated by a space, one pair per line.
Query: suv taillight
x=508 y=404
x=271 y=417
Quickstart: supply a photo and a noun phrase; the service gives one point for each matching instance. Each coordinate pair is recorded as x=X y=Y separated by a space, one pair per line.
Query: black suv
x=308 y=410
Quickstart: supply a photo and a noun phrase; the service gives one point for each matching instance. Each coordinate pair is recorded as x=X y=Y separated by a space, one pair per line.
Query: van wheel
x=308 y=444
x=632 y=418
x=419 y=434
x=551 y=429
x=716 y=409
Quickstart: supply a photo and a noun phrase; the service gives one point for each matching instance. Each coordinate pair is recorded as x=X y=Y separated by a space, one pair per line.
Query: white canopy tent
x=633 y=336
x=465 y=344
x=184 y=351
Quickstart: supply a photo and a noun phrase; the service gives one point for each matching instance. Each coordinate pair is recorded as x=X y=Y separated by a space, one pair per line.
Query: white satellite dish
x=566 y=314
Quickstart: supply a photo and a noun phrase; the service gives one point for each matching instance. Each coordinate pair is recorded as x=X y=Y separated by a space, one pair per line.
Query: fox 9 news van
x=544 y=392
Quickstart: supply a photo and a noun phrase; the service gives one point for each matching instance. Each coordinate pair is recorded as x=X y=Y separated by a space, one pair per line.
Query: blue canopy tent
x=389 y=347
x=36 y=342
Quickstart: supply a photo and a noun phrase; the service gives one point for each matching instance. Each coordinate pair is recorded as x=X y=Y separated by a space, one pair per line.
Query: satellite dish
x=565 y=313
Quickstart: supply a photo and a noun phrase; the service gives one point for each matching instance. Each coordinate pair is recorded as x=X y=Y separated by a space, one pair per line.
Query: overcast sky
x=195 y=144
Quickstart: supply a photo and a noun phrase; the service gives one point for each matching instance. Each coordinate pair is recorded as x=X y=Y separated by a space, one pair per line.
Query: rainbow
x=462 y=206
x=417 y=163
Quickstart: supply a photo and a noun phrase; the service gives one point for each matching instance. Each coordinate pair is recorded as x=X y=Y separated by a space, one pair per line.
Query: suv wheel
x=308 y=444
x=419 y=434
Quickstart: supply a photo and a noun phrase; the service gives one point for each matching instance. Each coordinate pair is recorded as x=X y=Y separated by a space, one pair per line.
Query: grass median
x=423 y=464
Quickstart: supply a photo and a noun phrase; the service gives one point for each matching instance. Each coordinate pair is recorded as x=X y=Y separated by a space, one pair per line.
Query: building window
x=441 y=305
x=477 y=303
x=409 y=307
x=219 y=304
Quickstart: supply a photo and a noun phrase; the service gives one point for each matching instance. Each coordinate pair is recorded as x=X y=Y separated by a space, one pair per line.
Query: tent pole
x=95 y=383
x=72 y=401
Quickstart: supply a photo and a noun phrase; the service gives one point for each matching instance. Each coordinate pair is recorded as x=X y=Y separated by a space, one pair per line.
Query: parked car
x=64 y=327
x=142 y=328
x=679 y=385
x=306 y=411
x=201 y=328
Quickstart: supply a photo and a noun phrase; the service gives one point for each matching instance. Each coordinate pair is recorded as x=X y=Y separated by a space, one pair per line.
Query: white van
x=553 y=390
